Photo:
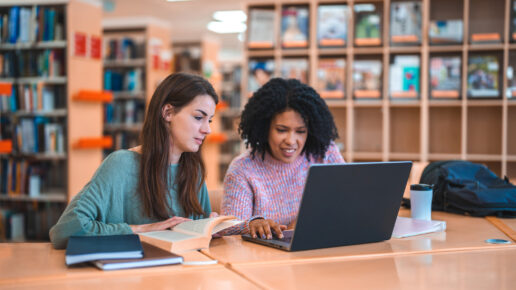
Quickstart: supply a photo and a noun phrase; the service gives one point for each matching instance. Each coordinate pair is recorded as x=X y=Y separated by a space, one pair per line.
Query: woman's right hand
x=262 y=227
x=159 y=226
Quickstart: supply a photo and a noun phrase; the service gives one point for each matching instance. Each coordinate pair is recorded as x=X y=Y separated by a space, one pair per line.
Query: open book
x=190 y=235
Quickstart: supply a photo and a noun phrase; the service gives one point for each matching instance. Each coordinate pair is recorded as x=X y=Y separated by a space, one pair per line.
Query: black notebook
x=152 y=256
x=90 y=248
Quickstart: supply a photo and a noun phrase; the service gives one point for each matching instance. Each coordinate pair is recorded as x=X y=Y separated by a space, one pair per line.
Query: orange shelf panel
x=6 y=89
x=94 y=96
x=94 y=142
x=217 y=138
x=221 y=106
x=6 y=146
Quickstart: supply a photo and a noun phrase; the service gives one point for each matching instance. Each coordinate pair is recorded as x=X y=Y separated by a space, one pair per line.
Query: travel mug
x=421 y=201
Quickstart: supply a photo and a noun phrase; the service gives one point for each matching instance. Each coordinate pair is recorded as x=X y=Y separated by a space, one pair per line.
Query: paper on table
x=407 y=227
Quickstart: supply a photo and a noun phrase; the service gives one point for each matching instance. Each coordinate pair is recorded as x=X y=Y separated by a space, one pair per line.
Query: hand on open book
x=263 y=228
x=159 y=226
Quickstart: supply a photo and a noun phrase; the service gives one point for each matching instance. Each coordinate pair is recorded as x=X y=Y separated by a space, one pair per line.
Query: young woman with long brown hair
x=154 y=186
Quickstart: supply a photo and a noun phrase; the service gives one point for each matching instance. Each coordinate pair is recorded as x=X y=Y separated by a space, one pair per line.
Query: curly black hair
x=280 y=95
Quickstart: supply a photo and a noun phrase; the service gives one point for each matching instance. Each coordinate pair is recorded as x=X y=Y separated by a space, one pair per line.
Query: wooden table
x=485 y=269
x=462 y=233
x=39 y=266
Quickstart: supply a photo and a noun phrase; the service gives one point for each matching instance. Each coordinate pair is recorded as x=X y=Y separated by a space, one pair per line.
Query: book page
x=195 y=226
x=224 y=225
x=168 y=235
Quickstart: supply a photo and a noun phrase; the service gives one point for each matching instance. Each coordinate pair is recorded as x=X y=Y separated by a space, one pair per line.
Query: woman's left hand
x=214 y=214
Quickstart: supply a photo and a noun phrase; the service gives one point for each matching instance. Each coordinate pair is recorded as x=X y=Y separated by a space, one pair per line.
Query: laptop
x=345 y=204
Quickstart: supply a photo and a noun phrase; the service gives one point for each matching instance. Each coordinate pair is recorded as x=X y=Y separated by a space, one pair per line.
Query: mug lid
x=421 y=186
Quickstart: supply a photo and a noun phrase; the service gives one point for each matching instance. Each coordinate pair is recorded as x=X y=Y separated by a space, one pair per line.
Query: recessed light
x=226 y=27
x=230 y=16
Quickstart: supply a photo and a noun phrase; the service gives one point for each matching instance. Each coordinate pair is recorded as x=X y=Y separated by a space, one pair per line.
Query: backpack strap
x=502 y=226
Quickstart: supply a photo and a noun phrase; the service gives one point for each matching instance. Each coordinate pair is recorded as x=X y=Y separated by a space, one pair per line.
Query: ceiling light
x=230 y=16
x=226 y=27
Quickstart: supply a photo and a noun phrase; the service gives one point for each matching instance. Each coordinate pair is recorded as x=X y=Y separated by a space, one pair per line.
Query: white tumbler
x=421 y=201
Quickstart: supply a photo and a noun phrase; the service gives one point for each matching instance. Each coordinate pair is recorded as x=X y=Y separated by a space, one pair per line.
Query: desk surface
x=462 y=233
x=484 y=269
x=37 y=262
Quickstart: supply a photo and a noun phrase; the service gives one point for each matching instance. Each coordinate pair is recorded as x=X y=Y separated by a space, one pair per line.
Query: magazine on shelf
x=294 y=26
x=483 y=76
x=367 y=79
x=513 y=21
x=511 y=82
x=405 y=22
x=404 y=76
x=260 y=72
x=445 y=77
x=261 y=28
x=445 y=31
x=331 y=77
x=367 y=25
x=295 y=68
x=332 y=25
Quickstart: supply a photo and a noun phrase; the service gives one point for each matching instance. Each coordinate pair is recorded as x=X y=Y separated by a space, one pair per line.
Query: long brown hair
x=178 y=90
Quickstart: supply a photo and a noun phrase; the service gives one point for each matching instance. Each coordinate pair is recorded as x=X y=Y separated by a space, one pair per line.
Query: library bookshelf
x=421 y=129
x=39 y=180
x=137 y=57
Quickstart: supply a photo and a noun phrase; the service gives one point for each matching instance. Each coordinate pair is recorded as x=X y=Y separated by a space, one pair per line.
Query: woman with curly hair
x=288 y=127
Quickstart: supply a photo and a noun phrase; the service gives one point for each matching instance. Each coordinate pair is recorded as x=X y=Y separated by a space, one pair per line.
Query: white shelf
x=34 y=80
x=128 y=95
x=38 y=45
x=125 y=63
x=53 y=113
x=48 y=197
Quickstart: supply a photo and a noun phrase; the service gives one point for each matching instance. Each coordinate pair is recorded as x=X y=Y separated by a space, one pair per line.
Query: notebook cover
x=89 y=248
x=153 y=256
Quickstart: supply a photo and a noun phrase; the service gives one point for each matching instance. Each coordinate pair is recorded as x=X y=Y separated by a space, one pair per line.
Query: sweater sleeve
x=238 y=200
x=86 y=213
x=333 y=154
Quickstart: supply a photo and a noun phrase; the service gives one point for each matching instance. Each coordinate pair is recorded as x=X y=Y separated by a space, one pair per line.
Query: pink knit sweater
x=267 y=188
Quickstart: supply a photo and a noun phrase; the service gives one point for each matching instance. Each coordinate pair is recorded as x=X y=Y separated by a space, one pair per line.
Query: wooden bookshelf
x=62 y=172
x=136 y=49
x=420 y=129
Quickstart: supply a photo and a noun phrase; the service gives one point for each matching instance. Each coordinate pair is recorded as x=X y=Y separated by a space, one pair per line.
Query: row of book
x=34 y=97
x=32 y=224
x=127 y=112
x=131 y=80
x=38 y=135
x=124 y=48
x=21 y=177
x=42 y=63
x=31 y=24
x=333 y=21
x=404 y=76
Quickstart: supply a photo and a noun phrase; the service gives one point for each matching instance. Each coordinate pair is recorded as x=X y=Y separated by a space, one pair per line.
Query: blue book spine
x=14 y=24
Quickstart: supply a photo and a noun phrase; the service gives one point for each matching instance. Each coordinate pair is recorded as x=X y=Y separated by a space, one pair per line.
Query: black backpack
x=469 y=188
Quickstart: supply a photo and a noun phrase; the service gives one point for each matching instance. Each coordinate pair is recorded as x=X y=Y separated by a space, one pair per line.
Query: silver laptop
x=346 y=204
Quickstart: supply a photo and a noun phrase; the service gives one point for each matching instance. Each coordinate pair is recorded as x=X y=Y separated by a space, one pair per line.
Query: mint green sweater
x=109 y=203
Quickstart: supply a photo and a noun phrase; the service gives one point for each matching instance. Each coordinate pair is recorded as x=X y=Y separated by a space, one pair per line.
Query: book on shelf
x=152 y=256
x=90 y=248
x=332 y=25
x=294 y=26
x=189 y=235
x=367 y=79
x=12 y=225
x=408 y=227
x=261 y=28
x=445 y=77
x=30 y=24
x=483 y=76
x=512 y=20
x=295 y=68
x=405 y=22
x=445 y=31
x=331 y=77
x=404 y=76
x=260 y=72
x=367 y=25
x=124 y=48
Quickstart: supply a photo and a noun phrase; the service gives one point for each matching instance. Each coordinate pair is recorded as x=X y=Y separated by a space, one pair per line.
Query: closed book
x=152 y=256
x=90 y=248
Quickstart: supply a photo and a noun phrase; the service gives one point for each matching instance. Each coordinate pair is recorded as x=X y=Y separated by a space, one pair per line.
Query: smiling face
x=287 y=136
x=189 y=126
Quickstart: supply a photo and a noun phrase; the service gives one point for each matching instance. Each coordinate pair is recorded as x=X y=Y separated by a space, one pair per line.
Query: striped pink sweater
x=267 y=188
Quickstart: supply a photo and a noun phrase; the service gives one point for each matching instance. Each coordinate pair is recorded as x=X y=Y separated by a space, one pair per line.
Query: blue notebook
x=90 y=248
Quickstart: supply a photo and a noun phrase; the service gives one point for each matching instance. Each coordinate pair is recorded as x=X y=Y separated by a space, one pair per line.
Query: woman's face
x=287 y=136
x=190 y=125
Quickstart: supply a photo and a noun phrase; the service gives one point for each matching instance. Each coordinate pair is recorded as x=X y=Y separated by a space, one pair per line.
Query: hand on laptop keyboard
x=264 y=228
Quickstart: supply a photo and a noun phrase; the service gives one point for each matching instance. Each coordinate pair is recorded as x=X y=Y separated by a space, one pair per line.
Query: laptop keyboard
x=287 y=236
